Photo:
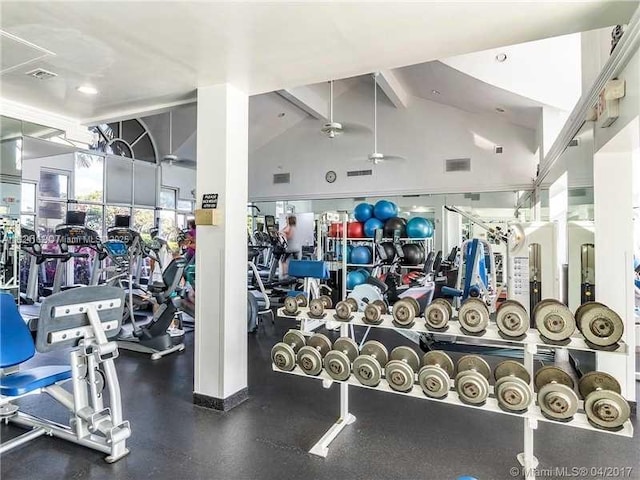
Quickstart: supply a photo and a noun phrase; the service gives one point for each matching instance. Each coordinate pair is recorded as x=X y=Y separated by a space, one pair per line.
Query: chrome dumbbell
x=369 y=365
x=512 y=388
x=400 y=370
x=473 y=316
x=437 y=314
x=283 y=354
x=337 y=362
x=556 y=397
x=292 y=304
x=554 y=321
x=435 y=375
x=310 y=356
x=345 y=309
x=472 y=380
x=317 y=306
x=512 y=320
x=405 y=312
x=601 y=327
x=605 y=407
x=373 y=312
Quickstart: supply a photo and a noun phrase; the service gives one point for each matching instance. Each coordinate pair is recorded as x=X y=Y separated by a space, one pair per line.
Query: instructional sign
x=210 y=200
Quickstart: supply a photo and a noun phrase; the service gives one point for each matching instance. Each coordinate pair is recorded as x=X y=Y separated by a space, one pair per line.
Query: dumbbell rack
x=531 y=417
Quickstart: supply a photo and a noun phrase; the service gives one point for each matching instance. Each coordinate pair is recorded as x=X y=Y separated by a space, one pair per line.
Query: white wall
x=426 y=133
x=548 y=70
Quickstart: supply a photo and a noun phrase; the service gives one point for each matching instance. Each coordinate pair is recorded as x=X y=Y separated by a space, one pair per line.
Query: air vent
x=281 y=178
x=498 y=149
x=410 y=196
x=359 y=199
x=578 y=192
x=457 y=165
x=41 y=74
x=359 y=173
x=574 y=143
x=472 y=196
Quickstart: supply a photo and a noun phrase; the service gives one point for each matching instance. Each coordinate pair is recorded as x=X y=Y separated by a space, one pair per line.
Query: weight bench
x=83 y=319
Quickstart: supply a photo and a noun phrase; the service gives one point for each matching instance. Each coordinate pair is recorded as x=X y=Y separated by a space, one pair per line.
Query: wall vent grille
x=281 y=178
x=498 y=149
x=359 y=173
x=472 y=196
x=574 y=143
x=457 y=165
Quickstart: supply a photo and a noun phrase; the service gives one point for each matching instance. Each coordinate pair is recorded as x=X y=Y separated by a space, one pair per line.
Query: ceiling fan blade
x=356 y=128
x=394 y=158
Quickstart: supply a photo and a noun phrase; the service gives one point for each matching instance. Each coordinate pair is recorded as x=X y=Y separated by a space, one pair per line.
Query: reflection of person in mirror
x=294 y=246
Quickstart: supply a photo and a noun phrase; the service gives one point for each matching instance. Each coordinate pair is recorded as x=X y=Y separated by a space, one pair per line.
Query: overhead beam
x=393 y=89
x=308 y=101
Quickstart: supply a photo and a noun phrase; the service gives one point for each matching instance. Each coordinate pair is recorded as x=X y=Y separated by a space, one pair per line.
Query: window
x=89 y=178
x=185 y=206
x=110 y=214
x=28 y=198
x=53 y=184
x=168 y=225
x=143 y=221
x=167 y=198
x=94 y=213
x=128 y=138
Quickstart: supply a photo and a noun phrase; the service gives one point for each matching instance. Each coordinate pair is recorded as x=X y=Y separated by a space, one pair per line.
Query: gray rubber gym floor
x=268 y=436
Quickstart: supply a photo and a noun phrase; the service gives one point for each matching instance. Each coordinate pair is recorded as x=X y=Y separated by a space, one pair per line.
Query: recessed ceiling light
x=501 y=57
x=435 y=92
x=500 y=110
x=87 y=90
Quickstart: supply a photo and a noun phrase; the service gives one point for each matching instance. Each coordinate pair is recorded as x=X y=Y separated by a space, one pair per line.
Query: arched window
x=128 y=138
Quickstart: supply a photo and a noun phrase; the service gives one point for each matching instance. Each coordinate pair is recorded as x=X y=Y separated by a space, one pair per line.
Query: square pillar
x=220 y=371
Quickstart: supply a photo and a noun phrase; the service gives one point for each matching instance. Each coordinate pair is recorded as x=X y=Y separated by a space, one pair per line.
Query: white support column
x=220 y=376
x=613 y=174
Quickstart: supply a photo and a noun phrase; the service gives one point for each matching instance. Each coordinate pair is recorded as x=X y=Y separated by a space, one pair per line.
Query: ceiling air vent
x=472 y=196
x=574 y=143
x=281 y=178
x=498 y=149
x=457 y=165
x=359 y=173
x=41 y=74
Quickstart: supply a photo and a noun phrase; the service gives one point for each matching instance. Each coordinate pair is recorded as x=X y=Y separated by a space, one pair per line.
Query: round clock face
x=330 y=176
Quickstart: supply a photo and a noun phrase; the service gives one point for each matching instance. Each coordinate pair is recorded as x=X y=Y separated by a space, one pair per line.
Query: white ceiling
x=468 y=93
x=142 y=55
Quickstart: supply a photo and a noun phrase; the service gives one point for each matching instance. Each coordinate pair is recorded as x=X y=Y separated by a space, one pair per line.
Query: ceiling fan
x=332 y=129
x=377 y=157
x=172 y=159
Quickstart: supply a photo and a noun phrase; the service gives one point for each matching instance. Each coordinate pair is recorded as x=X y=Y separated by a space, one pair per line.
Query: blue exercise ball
x=354 y=279
x=365 y=272
x=371 y=226
x=384 y=210
x=418 y=227
x=363 y=212
x=361 y=255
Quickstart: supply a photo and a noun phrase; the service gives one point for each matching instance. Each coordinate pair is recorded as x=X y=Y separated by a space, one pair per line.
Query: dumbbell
x=472 y=380
x=512 y=320
x=345 y=308
x=435 y=375
x=369 y=365
x=601 y=327
x=293 y=304
x=473 y=316
x=283 y=354
x=373 y=312
x=405 y=311
x=605 y=407
x=338 y=361
x=556 y=398
x=554 y=321
x=437 y=314
x=317 y=306
x=512 y=386
x=310 y=356
x=400 y=370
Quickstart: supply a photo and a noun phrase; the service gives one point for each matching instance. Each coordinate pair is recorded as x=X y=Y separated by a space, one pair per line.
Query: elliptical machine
x=154 y=337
